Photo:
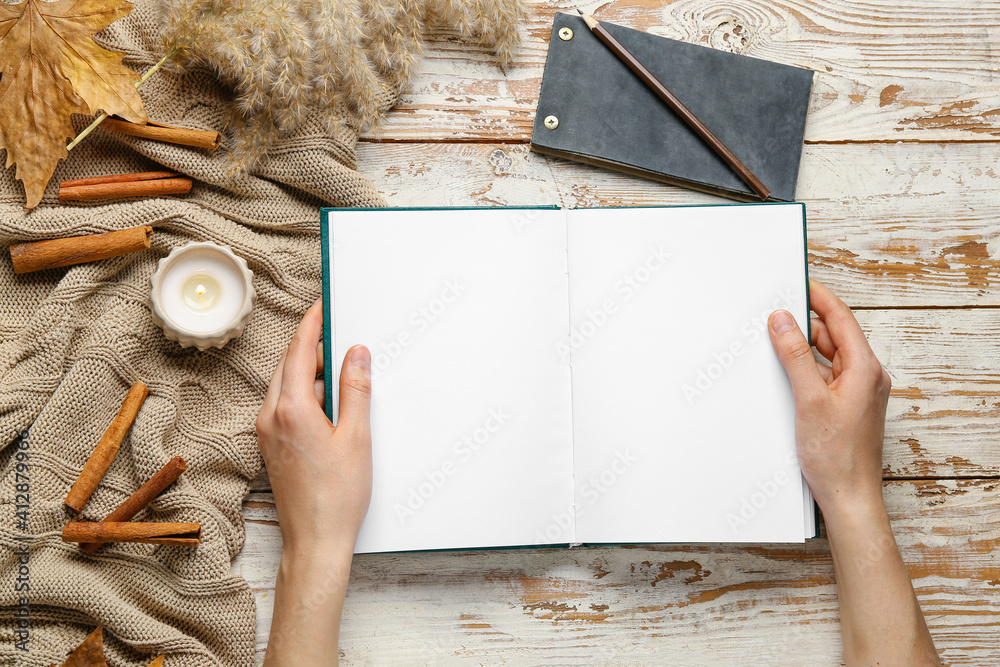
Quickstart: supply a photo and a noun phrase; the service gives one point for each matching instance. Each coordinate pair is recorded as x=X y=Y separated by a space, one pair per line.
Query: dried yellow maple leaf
x=90 y=653
x=50 y=68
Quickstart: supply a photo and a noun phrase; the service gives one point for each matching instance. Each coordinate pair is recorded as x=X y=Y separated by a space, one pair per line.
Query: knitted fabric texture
x=73 y=340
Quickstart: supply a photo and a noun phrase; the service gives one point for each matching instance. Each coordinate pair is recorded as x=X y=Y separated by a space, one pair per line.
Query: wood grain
x=697 y=604
x=914 y=70
x=889 y=224
x=907 y=233
x=944 y=410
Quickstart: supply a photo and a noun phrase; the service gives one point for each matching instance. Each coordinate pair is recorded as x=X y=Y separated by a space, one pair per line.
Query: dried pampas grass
x=346 y=58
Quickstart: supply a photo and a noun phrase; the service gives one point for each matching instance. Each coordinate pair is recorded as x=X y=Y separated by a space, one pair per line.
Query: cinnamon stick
x=51 y=254
x=134 y=187
x=163 y=478
x=119 y=178
x=100 y=460
x=167 y=133
x=177 y=534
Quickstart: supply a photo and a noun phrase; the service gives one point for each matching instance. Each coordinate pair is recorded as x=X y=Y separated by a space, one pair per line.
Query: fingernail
x=360 y=356
x=781 y=321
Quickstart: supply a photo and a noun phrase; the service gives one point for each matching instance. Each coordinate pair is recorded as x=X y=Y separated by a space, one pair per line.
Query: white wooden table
x=900 y=179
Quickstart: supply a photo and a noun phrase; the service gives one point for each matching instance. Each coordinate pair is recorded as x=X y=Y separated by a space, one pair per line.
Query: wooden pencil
x=675 y=105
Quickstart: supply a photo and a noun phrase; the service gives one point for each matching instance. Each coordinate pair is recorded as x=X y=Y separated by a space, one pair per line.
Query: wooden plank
x=697 y=604
x=945 y=405
x=922 y=70
x=889 y=224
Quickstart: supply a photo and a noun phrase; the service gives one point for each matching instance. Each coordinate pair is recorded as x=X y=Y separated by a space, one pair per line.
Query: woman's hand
x=839 y=409
x=321 y=477
x=321 y=474
x=839 y=426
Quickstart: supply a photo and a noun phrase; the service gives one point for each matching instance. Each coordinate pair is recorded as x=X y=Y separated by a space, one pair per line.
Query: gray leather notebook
x=608 y=117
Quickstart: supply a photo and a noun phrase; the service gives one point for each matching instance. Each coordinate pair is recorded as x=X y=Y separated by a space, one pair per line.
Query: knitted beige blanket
x=73 y=340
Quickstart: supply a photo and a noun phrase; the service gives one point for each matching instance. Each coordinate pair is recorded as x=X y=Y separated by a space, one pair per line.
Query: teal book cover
x=494 y=334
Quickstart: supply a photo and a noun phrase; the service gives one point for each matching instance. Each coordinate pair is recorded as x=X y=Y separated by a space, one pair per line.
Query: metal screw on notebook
x=551 y=122
x=565 y=34
x=202 y=295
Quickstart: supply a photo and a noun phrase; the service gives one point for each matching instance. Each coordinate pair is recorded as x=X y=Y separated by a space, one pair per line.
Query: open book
x=545 y=376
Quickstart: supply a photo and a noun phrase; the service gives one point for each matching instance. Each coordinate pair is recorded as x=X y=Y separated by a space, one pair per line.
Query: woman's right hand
x=839 y=426
x=840 y=408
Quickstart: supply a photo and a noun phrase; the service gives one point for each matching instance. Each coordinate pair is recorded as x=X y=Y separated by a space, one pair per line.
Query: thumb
x=356 y=391
x=795 y=354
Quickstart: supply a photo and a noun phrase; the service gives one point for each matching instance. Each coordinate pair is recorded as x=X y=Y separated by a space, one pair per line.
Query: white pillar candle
x=202 y=295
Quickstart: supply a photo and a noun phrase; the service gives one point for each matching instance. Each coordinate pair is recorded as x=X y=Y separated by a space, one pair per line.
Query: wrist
x=855 y=512
x=310 y=571
x=308 y=602
x=850 y=499
x=318 y=552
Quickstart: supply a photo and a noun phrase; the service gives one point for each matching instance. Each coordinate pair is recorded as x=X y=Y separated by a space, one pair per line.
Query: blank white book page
x=471 y=415
x=683 y=416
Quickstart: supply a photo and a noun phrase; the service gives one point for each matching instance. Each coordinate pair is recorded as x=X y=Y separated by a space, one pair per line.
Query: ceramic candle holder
x=202 y=295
